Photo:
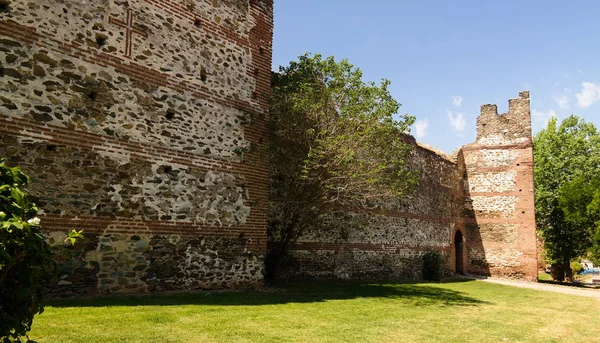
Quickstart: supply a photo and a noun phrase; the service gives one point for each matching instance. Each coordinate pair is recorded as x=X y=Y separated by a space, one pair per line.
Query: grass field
x=462 y=311
x=543 y=276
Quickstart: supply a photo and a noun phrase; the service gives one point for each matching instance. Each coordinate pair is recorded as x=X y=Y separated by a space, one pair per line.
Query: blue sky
x=445 y=58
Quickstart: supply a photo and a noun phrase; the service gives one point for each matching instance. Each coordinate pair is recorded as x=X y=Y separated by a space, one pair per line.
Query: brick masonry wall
x=387 y=242
x=499 y=207
x=137 y=122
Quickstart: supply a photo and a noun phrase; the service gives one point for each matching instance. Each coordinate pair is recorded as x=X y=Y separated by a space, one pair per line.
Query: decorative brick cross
x=129 y=30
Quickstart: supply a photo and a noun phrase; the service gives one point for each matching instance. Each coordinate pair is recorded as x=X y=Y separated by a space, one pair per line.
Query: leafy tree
x=25 y=256
x=580 y=200
x=336 y=140
x=567 y=160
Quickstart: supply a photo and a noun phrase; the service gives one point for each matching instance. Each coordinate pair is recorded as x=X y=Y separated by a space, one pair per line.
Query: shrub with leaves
x=25 y=257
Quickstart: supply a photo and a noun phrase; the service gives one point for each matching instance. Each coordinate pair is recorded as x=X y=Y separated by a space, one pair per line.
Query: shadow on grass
x=297 y=292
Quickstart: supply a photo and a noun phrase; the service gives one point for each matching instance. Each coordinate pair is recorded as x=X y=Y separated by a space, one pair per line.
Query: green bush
x=432 y=266
x=576 y=267
x=25 y=257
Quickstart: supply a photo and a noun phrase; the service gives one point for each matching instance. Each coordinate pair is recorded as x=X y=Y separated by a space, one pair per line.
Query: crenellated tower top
x=508 y=128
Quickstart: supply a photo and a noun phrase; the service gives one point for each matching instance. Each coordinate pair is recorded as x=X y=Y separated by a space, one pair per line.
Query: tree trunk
x=568 y=272
x=278 y=254
x=557 y=272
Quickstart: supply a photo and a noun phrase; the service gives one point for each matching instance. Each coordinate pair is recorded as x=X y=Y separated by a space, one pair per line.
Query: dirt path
x=593 y=293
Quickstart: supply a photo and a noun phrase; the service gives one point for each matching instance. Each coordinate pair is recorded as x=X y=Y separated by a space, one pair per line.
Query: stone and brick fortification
x=137 y=121
x=143 y=122
x=499 y=208
x=386 y=242
x=477 y=210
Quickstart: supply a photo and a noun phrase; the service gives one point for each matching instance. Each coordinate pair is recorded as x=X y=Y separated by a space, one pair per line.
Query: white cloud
x=543 y=116
x=540 y=118
x=457 y=100
x=562 y=101
x=421 y=128
x=456 y=121
x=590 y=93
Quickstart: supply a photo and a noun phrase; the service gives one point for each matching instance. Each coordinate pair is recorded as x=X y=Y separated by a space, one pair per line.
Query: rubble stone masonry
x=143 y=123
x=476 y=209
x=136 y=121
x=500 y=211
x=387 y=242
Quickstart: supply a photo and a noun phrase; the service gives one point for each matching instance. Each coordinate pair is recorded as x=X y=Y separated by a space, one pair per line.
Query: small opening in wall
x=51 y=147
x=518 y=164
x=260 y=141
x=482 y=124
x=523 y=212
x=197 y=22
x=170 y=114
x=92 y=96
x=254 y=96
x=203 y=75
x=168 y=169
x=520 y=190
x=261 y=50
x=100 y=40
x=4 y=5
x=256 y=71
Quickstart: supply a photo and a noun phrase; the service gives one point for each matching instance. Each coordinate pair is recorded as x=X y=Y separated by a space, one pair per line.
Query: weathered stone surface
x=501 y=238
x=124 y=108
x=134 y=120
x=347 y=264
x=486 y=194
x=389 y=241
x=179 y=263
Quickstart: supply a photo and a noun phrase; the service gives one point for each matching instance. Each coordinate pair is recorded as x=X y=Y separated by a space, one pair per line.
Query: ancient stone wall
x=476 y=209
x=499 y=207
x=138 y=121
x=387 y=242
x=143 y=123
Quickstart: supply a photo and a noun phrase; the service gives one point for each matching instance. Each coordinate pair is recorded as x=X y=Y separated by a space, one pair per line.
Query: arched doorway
x=458 y=252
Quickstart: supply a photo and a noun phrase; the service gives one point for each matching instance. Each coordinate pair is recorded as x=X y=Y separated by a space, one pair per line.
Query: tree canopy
x=335 y=140
x=567 y=167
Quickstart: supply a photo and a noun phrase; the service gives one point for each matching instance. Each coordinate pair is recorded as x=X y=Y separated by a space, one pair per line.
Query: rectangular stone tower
x=499 y=210
x=140 y=122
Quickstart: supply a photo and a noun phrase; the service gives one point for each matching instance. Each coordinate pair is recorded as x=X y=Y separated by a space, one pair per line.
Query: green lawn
x=543 y=276
x=465 y=311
